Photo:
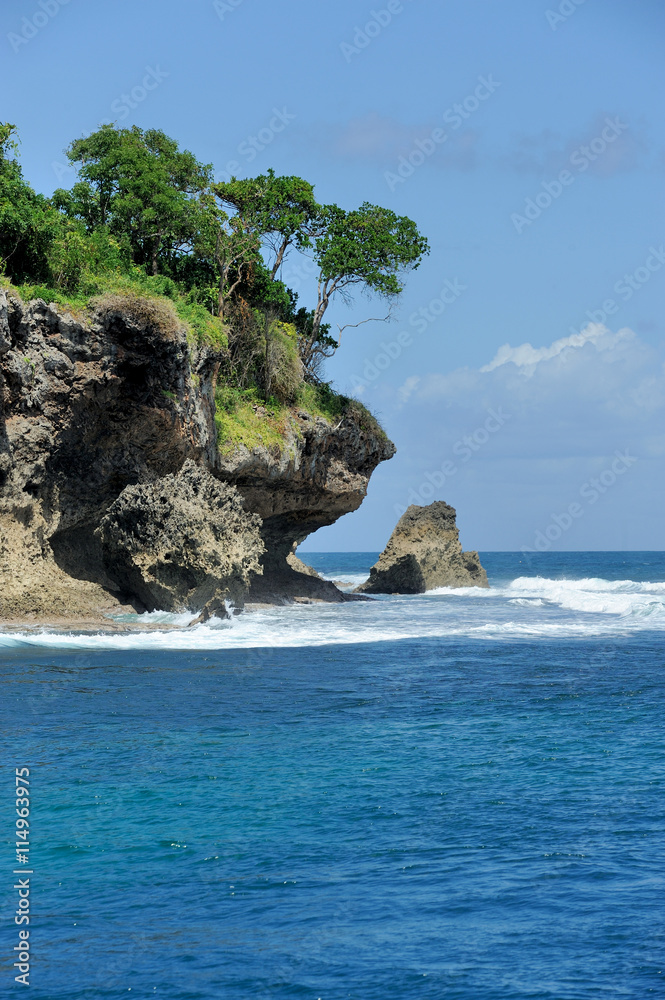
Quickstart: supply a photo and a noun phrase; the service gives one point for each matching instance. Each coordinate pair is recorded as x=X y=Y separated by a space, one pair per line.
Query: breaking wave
x=527 y=607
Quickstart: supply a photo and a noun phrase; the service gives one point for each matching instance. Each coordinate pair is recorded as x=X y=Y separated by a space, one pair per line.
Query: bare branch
x=371 y=319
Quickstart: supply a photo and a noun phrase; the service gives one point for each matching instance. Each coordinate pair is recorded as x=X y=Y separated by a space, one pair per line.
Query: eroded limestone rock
x=183 y=543
x=423 y=553
x=118 y=396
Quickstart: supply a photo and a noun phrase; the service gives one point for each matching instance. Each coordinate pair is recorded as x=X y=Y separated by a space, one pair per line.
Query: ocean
x=455 y=795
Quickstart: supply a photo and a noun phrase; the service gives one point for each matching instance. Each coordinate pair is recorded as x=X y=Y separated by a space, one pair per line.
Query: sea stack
x=424 y=552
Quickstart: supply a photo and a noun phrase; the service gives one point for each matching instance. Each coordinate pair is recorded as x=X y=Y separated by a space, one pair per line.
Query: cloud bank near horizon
x=582 y=394
x=517 y=440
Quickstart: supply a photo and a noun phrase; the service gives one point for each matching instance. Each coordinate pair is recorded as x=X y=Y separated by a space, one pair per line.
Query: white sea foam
x=592 y=595
x=203 y=638
x=590 y=583
x=157 y=618
x=346 y=581
x=527 y=607
x=463 y=592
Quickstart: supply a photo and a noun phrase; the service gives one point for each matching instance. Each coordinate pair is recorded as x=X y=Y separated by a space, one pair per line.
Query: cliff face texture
x=112 y=488
x=321 y=474
x=423 y=553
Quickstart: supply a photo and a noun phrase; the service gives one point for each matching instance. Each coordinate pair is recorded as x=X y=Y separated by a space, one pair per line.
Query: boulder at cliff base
x=182 y=543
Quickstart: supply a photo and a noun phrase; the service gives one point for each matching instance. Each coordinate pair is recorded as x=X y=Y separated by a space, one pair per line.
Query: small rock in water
x=423 y=553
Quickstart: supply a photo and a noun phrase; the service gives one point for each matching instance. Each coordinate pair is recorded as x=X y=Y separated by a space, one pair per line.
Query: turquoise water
x=457 y=795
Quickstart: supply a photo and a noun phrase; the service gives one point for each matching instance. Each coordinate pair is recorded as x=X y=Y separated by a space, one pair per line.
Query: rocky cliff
x=108 y=446
x=424 y=552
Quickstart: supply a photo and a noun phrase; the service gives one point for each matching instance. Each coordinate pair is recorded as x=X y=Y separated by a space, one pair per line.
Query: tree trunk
x=279 y=258
x=155 y=248
x=220 y=296
x=222 y=276
x=321 y=306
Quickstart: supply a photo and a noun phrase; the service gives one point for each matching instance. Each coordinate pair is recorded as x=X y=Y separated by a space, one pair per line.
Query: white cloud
x=408 y=387
x=583 y=394
x=527 y=357
x=513 y=443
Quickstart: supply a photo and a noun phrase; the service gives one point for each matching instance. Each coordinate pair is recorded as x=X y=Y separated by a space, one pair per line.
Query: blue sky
x=541 y=194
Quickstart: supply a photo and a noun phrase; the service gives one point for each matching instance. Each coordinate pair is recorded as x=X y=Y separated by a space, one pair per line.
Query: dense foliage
x=27 y=224
x=144 y=212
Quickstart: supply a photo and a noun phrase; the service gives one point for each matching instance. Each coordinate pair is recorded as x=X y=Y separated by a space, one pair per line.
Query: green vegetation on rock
x=146 y=231
x=242 y=418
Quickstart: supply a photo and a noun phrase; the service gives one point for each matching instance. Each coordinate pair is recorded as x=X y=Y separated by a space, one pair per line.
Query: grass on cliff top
x=322 y=401
x=243 y=418
x=157 y=299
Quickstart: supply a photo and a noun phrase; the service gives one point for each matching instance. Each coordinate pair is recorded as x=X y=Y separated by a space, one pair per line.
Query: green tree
x=139 y=184
x=370 y=248
x=77 y=259
x=26 y=220
x=230 y=245
x=282 y=210
x=7 y=143
x=141 y=201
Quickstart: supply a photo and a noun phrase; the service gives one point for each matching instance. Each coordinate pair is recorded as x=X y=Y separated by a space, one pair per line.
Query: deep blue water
x=456 y=796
